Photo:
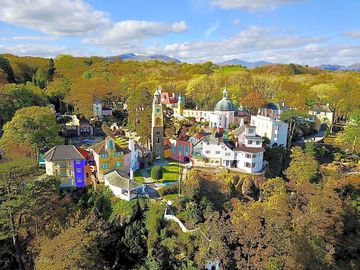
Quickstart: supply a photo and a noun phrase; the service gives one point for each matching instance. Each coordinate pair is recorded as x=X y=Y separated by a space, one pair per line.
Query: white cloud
x=248 y=42
x=65 y=17
x=131 y=33
x=250 y=4
x=41 y=50
x=212 y=29
x=35 y=38
x=353 y=34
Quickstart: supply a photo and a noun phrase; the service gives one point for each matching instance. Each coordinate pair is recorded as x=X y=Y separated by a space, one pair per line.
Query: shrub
x=171 y=189
x=157 y=173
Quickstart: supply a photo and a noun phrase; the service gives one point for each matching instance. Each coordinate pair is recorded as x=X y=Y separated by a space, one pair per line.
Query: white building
x=100 y=111
x=246 y=155
x=123 y=186
x=221 y=117
x=269 y=126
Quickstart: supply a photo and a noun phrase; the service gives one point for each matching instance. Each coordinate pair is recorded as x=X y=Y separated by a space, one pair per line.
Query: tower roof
x=157 y=92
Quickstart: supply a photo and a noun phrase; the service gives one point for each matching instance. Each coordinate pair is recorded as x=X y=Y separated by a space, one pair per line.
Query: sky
x=308 y=32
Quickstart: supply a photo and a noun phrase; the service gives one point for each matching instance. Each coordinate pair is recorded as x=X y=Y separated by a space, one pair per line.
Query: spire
x=157 y=92
x=225 y=92
x=180 y=100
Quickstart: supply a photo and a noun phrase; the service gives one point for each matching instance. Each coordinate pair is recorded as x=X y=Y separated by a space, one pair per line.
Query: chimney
x=131 y=174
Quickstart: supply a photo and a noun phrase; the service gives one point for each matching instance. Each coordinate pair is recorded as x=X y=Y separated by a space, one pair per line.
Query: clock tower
x=157 y=127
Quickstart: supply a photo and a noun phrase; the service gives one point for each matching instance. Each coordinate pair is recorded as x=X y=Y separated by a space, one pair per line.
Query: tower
x=180 y=105
x=157 y=127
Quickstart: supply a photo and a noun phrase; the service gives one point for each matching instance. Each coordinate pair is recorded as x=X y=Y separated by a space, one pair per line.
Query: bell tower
x=157 y=127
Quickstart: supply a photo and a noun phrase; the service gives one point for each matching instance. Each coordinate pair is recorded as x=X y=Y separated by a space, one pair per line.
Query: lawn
x=170 y=173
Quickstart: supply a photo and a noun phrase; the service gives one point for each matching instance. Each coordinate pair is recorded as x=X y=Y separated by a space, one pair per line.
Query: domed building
x=221 y=117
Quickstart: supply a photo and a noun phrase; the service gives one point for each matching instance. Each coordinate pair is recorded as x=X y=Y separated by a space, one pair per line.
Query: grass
x=170 y=173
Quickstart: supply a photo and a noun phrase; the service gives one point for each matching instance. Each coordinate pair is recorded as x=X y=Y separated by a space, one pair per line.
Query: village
x=226 y=138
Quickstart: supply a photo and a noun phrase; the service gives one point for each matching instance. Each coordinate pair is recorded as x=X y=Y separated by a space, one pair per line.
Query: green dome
x=224 y=104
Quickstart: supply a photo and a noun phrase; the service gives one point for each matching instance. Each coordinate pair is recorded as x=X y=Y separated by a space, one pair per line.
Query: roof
x=224 y=104
x=321 y=108
x=243 y=148
x=121 y=180
x=83 y=152
x=63 y=152
x=167 y=147
x=100 y=148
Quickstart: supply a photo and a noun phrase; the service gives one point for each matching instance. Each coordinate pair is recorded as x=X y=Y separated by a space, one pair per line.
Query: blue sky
x=309 y=32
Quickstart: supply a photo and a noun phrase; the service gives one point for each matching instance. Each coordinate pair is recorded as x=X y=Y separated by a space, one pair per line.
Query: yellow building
x=109 y=156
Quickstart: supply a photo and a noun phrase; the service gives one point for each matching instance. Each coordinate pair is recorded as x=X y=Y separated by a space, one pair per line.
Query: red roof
x=83 y=152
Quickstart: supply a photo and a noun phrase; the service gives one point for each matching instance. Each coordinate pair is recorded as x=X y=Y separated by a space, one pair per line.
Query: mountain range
x=355 y=67
x=243 y=63
x=142 y=58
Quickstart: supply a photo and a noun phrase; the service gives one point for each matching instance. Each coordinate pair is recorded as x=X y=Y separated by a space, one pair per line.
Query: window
x=157 y=110
x=180 y=149
x=186 y=150
x=258 y=142
x=251 y=130
x=217 y=152
x=157 y=121
x=247 y=164
x=78 y=161
x=104 y=166
x=78 y=179
x=104 y=155
x=250 y=141
x=247 y=155
x=158 y=140
x=111 y=144
x=55 y=163
x=253 y=165
x=78 y=170
x=70 y=172
x=118 y=164
x=227 y=154
x=254 y=155
x=173 y=149
x=207 y=152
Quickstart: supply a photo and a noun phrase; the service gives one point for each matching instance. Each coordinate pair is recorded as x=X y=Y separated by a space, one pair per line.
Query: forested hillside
x=302 y=214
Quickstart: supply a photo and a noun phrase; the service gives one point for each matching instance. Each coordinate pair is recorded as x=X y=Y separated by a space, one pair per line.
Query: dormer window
x=111 y=144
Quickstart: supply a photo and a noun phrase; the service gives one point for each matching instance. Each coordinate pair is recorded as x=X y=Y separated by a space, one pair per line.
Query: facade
x=268 y=125
x=66 y=162
x=157 y=127
x=246 y=154
x=100 y=111
x=180 y=148
x=168 y=99
x=323 y=114
x=109 y=156
x=222 y=116
x=123 y=186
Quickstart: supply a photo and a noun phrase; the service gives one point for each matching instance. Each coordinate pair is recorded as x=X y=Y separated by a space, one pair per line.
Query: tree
x=303 y=166
x=291 y=117
x=5 y=65
x=41 y=77
x=350 y=136
x=253 y=100
x=58 y=89
x=14 y=97
x=13 y=179
x=34 y=126
x=191 y=186
x=157 y=173
x=75 y=247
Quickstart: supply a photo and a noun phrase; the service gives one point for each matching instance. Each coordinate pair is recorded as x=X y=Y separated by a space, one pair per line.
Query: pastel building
x=324 y=116
x=246 y=154
x=269 y=125
x=67 y=162
x=109 y=156
x=180 y=149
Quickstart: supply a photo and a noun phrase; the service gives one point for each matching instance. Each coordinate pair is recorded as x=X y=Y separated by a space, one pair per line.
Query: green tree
x=350 y=136
x=5 y=65
x=292 y=117
x=303 y=166
x=34 y=126
x=157 y=172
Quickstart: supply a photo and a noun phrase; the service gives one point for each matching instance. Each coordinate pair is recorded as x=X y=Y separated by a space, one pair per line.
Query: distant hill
x=244 y=63
x=142 y=58
x=355 y=67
